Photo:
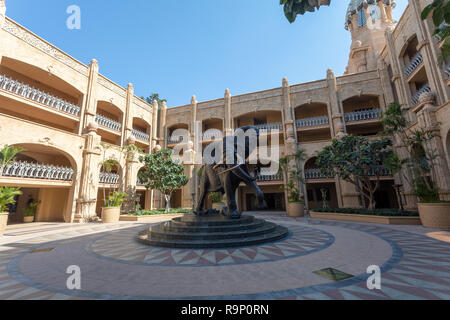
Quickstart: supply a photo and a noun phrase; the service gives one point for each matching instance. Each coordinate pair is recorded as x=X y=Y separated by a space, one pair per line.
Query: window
x=362 y=21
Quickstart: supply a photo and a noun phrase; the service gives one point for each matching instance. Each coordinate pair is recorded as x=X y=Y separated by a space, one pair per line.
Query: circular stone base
x=217 y=231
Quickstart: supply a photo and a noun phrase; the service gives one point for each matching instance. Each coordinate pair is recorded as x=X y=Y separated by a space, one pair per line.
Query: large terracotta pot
x=435 y=215
x=110 y=215
x=3 y=222
x=28 y=219
x=296 y=209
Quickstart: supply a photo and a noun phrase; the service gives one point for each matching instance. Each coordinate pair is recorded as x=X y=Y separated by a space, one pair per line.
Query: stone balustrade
x=109 y=178
x=267 y=127
x=312 y=122
x=415 y=98
x=36 y=95
x=311 y=174
x=141 y=135
x=23 y=169
x=384 y=172
x=173 y=139
x=415 y=62
x=108 y=123
x=211 y=134
x=370 y=114
x=265 y=178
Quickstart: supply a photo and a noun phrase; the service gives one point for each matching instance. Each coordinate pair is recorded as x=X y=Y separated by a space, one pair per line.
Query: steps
x=217 y=231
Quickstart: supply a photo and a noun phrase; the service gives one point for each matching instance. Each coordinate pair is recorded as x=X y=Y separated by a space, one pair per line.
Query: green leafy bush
x=30 y=210
x=7 y=197
x=115 y=199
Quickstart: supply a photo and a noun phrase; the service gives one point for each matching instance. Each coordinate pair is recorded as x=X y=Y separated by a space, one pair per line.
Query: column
x=155 y=109
x=131 y=170
x=87 y=199
x=385 y=81
x=89 y=107
x=162 y=125
x=128 y=127
x=228 y=125
x=428 y=121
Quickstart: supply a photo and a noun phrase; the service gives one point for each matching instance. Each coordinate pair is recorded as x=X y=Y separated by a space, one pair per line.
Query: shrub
x=376 y=212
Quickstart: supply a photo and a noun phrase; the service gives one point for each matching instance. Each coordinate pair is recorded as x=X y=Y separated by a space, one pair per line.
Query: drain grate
x=333 y=274
x=43 y=250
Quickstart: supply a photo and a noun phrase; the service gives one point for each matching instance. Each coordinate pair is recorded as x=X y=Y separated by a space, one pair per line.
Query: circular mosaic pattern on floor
x=122 y=247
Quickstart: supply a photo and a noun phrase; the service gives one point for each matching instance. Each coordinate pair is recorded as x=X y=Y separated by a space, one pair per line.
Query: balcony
x=212 y=134
x=416 y=96
x=312 y=122
x=269 y=178
x=141 y=135
x=36 y=95
x=108 y=123
x=174 y=140
x=311 y=174
x=413 y=64
x=384 y=172
x=23 y=169
x=363 y=115
x=109 y=178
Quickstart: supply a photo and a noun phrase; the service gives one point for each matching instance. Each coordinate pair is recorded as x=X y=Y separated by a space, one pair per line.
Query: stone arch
x=361 y=102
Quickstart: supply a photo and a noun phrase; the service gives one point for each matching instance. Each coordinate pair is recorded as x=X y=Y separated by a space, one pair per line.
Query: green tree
x=7 y=155
x=154 y=97
x=360 y=161
x=439 y=11
x=293 y=8
x=162 y=173
x=419 y=165
x=291 y=168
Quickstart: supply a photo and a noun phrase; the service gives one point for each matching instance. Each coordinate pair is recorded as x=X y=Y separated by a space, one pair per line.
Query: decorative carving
x=38 y=43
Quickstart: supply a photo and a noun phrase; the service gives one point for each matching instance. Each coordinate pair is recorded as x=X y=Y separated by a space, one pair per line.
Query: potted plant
x=419 y=167
x=290 y=167
x=218 y=204
x=30 y=211
x=7 y=197
x=111 y=210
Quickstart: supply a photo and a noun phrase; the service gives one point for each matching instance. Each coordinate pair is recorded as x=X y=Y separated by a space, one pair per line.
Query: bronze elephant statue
x=226 y=177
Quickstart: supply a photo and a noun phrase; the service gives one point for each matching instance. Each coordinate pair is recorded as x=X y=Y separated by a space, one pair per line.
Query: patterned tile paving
x=419 y=268
x=121 y=246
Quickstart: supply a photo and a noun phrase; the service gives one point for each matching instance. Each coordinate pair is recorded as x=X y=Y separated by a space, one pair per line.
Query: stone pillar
x=398 y=74
x=194 y=105
x=162 y=125
x=87 y=199
x=155 y=108
x=427 y=120
x=131 y=167
x=128 y=121
x=2 y=13
x=385 y=81
x=89 y=107
x=228 y=125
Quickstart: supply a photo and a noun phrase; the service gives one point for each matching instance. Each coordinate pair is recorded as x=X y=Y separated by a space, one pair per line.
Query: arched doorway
x=110 y=180
x=46 y=175
x=320 y=189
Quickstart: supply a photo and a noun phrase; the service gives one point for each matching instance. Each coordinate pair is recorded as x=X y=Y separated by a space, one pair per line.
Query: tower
x=367 y=21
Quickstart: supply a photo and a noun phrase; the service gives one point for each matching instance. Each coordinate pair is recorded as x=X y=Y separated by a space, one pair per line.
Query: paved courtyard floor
x=415 y=263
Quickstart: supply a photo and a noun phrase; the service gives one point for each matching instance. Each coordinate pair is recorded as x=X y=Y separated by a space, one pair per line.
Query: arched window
x=362 y=21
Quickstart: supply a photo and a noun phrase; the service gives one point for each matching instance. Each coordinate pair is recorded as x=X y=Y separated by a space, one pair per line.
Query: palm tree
x=7 y=155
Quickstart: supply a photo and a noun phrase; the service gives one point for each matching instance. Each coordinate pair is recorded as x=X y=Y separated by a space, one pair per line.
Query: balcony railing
x=265 y=178
x=278 y=126
x=172 y=140
x=311 y=174
x=414 y=64
x=109 y=178
x=370 y=114
x=312 y=122
x=23 y=169
x=211 y=134
x=36 y=95
x=141 y=135
x=416 y=96
x=384 y=172
x=108 y=123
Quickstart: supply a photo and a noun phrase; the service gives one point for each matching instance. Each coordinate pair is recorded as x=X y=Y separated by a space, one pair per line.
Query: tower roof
x=355 y=5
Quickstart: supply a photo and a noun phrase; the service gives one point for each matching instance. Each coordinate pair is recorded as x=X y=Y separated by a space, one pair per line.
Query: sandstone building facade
x=63 y=113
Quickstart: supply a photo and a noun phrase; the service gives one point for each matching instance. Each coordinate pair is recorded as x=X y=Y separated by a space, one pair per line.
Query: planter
x=110 y=215
x=29 y=219
x=296 y=209
x=366 y=218
x=435 y=215
x=3 y=222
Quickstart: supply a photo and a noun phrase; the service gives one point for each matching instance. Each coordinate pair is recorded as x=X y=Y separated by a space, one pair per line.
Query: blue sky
x=183 y=47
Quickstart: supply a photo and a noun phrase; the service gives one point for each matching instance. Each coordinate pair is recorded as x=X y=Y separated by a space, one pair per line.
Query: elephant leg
x=259 y=195
x=202 y=197
x=230 y=192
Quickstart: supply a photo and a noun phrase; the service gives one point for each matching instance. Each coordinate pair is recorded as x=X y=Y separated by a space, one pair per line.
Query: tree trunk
x=167 y=197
